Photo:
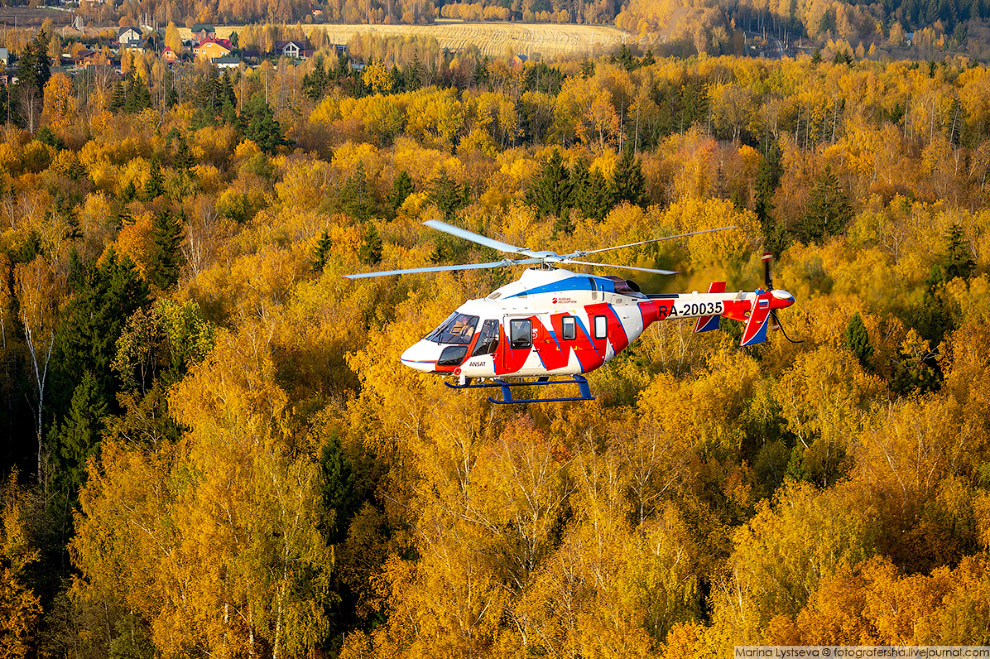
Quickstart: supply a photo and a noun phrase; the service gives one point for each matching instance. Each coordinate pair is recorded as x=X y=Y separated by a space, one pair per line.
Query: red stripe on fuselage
x=508 y=359
x=555 y=351
x=654 y=310
x=615 y=333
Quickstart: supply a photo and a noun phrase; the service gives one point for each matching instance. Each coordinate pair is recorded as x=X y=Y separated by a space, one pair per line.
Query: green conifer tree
x=858 y=340
x=316 y=83
x=628 y=182
x=93 y=319
x=137 y=97
x=34 y=66
x=339 y=501
x=412 y=75
x=447 y=195
x=129 y=193
x=78 y=436
x=166 y=259
x=46 y=136
x=550 y=191
x=767 y=180
x=590 y=194
x=324 y=247
x=357 y=199
x=370 y=251
x=118 y=98
x=958 y=258
x=828 y=211
x=183 y=160
x=402 y=187
x=154 y=187
x=261 y=126
x=33 y=71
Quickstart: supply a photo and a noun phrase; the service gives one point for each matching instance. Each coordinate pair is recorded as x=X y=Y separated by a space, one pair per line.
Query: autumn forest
x=211 y=449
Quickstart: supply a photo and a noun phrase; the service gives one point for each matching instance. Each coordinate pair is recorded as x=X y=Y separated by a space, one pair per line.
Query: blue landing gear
x=506 y=387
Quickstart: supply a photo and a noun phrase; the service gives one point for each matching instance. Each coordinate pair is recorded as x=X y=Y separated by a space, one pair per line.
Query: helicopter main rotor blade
x=478 y=238
x=622 y=267
x=646 y=242
x=445 y=268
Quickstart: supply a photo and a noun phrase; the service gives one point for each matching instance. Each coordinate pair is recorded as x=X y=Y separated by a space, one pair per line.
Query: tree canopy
x=213 y=448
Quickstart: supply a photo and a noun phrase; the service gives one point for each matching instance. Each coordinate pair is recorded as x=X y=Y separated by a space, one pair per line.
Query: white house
x=129 y=37
x=229 y=62
x=294 y=49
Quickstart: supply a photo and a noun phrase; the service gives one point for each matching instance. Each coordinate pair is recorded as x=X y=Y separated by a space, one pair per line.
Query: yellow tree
x=825 y=396
x=20 y=609
x=378 y=77
x=213 y=540
x=602 y=122
x=39 y=287
x=782 y=553
x=60 y=104
x=173 y=39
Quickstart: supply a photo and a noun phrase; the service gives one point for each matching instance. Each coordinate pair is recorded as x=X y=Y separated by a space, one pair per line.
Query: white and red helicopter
x=553 y=322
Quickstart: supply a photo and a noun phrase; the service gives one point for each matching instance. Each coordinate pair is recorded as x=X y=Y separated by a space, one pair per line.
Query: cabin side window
x=521 y=333
x=601 y=327
x=568 y=328
x=488 y=339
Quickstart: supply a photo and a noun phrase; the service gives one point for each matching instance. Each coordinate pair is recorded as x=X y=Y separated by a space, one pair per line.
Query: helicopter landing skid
x=507 y=386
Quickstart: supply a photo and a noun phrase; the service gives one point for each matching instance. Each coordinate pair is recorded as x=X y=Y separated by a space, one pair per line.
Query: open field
x=493 y=38
x=33 y=16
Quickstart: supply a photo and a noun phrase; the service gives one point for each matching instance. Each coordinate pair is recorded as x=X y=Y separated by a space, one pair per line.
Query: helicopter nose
x=422 y=356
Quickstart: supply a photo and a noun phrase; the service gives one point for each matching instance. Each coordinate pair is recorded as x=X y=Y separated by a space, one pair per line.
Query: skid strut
x=506 y=387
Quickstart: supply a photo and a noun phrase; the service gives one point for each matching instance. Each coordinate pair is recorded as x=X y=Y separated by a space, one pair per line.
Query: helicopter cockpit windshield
x=458 y=329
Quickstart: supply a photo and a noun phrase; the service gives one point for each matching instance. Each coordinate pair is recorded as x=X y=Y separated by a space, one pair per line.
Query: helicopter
x=555 y=325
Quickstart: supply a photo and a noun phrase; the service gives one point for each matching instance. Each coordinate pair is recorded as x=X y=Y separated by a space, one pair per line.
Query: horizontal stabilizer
x=709 y=323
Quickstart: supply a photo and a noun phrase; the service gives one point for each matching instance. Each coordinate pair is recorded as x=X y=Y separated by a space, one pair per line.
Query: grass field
x=493 y=38
x=31 y=16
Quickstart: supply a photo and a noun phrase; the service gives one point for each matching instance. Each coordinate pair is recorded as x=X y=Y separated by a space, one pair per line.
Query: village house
x=203 y=31
x=169 y=55
x=129 y=37
x=294 y=49
x=212 y=48
x=229 y=62
x=83 y=57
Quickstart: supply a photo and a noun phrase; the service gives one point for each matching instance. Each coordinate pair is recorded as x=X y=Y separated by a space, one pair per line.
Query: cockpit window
x=432 y=336
x=458 y=328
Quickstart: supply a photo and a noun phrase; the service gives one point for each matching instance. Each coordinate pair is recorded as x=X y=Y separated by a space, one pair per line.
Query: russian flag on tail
x=756 y=326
